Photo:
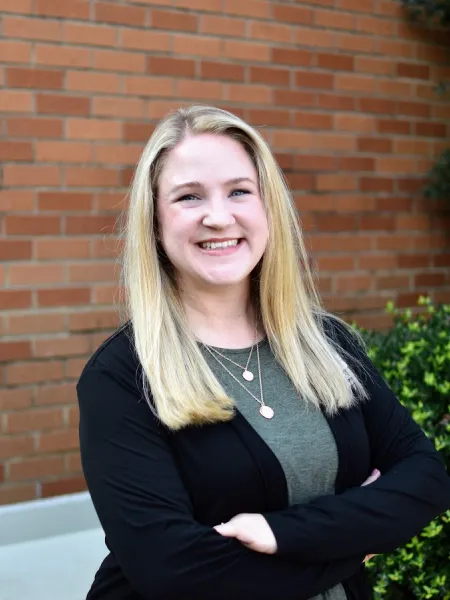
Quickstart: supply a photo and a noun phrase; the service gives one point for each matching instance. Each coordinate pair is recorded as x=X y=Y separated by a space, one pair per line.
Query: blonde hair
x=179 y=386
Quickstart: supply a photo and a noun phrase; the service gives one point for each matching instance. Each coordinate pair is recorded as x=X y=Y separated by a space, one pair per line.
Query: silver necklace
x=246 y=374
x=265 y=411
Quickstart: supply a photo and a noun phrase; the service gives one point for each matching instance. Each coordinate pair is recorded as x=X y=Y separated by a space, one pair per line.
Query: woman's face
x=211 y=219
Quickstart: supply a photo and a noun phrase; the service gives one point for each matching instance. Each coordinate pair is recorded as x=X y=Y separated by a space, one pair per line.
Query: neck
x=221 y=317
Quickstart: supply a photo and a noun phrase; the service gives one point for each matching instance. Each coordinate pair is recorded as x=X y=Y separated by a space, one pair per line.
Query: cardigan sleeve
x=413 y=489
x=146 y=514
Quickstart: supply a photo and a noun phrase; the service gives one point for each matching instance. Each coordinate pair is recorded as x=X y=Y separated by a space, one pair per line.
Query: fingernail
x=375 y=472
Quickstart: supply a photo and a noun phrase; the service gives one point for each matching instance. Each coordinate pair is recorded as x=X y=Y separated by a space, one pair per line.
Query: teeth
x=212 y=245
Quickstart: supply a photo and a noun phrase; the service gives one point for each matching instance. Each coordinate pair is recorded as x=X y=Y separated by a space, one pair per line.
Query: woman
x=228 y=428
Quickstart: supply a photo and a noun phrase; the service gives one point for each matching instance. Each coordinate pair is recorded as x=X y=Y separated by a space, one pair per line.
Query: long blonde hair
x=178 y=383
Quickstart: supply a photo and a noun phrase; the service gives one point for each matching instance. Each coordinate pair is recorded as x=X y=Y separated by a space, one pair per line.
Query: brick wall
x=344 y=89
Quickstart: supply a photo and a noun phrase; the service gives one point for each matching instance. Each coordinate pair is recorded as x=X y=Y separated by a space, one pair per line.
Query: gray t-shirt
x=298 y=435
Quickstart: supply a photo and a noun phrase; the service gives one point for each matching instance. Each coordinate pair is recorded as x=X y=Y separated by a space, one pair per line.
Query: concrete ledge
x=49 y=517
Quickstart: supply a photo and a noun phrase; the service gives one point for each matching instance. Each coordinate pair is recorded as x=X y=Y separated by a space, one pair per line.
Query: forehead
x=206 y=157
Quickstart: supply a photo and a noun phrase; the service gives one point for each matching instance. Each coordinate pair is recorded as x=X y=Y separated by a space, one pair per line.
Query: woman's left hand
x=252 y=530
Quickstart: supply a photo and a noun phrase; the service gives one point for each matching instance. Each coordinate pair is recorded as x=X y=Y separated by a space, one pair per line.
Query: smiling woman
x=270 y=459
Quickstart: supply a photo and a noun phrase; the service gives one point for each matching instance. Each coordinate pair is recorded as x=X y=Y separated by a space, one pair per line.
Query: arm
x=146 y=513
x=413 y=489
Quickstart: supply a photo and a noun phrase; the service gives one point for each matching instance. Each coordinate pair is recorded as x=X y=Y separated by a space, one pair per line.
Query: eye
x=240 y=192
x=187 y=198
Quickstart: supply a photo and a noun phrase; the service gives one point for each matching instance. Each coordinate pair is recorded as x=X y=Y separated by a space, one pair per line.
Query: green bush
x=414 y=358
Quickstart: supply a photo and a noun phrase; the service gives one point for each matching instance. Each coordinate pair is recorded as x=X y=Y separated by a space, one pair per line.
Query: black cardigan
x=158 y=493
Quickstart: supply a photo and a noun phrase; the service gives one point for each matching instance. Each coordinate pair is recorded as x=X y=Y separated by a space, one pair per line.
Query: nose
x=218 y=214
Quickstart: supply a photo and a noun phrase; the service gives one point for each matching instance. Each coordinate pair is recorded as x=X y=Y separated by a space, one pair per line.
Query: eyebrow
x=197 y=184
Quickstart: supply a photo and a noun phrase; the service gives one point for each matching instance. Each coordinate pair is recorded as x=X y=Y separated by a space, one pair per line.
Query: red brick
x=12 y=494
x=430 y=129
x=15 y=151
x=109 y=60
x=355 y=163
x=112 y=154
x=413 y=70
x=334 y=20
x=15 y=398
x=300 y=181
x=14 y=101
x=309 y=120
x=356 y=43
x=441 y=260
x=33 y=372
x=62 y=56
x=16 y=6
x=221 y=71
x=14 y=250
x=315 y=162
x=293 y=139
x=35 y=468
x=34 y=127
x=35 y=323
x=34 y=274
x=199 y=45
x=68 y=485
x=162 y=65
x=378 y=262
x=336 y=62
x=290 y=56
x=65 y=201
x=177 y=21
x=150 y=86
x=336 y=222
x=12 y=447
x=93 y=129
x=269 y=75
x=353 y=283
x=107 y=12
x=328 y=182
x=394 y=242
x=73 y=462
x=250 y=8
x=71 y=9
x=335 y=263
x=88 y=321
x=74 y=367
x=92 y=35
x=15 y=52
x=333 y=141
x=61 y=248
x=393 y=203
x=394 y=126
x=56 y=393
x=106 y=294
x=314 y=80
x=336 y=101
x=137 y=132
x=34 y=29
x=62 y=105
x=63 y=297
x=377 y=105
x=64 y=152
x=95 y=272
x=223 y=26
x=376 y=184
x=91 y=177
x=202 y=5
x=360 y=123
x=11 y=351
x=93 y=225
x=34 y=78
x=357 y=5
x=32 y=225
x=278 y=118
x=62 y=347
x=376 y=223
x=377 y=145
x=270 y=31
x=149 y=41
x=57 y=441
x=413 y=109
x=413 y=222
x=292 y=14
x=377 y=26
x=106 y=83
x=355 y=83
x=293 y=98
x=249 y=94
x=429 y=279
x=377 y=66
x=314 y=203
x=238 y=50
x=119 y=107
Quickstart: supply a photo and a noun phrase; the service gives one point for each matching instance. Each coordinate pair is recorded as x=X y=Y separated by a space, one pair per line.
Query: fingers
x=372 y=477
x=226 y=529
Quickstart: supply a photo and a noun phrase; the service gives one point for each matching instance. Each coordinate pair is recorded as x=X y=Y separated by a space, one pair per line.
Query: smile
x=214 y=245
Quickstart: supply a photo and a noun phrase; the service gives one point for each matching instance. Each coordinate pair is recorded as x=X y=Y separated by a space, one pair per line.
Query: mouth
x=220 y=245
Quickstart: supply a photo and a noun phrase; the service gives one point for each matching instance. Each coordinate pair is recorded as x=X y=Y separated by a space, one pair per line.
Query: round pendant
x=247 y=375
x=266 y=412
